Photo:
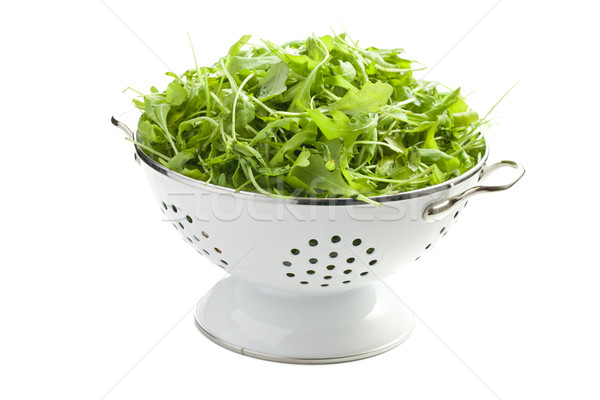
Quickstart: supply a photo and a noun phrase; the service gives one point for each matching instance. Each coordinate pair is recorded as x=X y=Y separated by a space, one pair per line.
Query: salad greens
x=320 y=117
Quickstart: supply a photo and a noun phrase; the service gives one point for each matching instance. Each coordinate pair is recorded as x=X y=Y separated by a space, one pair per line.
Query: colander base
x=307 y=329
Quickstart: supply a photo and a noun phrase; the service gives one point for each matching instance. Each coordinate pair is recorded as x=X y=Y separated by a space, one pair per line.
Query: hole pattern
x=188 y=225
x=319 y=272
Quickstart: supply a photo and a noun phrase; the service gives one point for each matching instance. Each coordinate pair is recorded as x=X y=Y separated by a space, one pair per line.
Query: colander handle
x=440 y=210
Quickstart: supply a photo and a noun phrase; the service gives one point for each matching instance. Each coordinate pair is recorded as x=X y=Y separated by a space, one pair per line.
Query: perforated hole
x=181 y=225
x=335 y=239
x=201 y=253
x=189 y=240
x=295 y=252
x=330 y=267
x=224 y=262
x=333 y=254
x=287 y=263
x=313 y=242
x=310 y=272
x=456 y=214
x=428 y=246
x=347 y=271
x=417 y=259
x=175 y=226
x=356 y=242
x=364 y=273
x=370 y=250
x=164 y=205
x=196 y=238
x=290 y=275
x=443 y=230
x=304 y=282
x=218 y=250
x=325 y=285
x=466 y=202
x=205 y=234
x=205 y=251
x=350 y=260
x=313 y=261
x=327 y=277
x=346 y=282
x=174 y=208
x=372 y=262
x=189 y=219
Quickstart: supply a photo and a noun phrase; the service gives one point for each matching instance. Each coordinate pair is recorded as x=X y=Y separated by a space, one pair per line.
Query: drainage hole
x=313 y=261
x=310 y=272
x=205 y=234
x=174 y=208
x=372 y=262
x=327 y=277
x=335 y=239
x=313 y=242
x=363 y=273
x=333 y=254
x=347 y=271
x=370 y=250
x=290 y=275
x=350 y=260
x=295 y=252
x=287 y=263
x=330 y=267
x=356 y=242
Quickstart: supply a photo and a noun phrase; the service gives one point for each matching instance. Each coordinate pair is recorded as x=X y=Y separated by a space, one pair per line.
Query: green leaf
x=366 y=100
x=340 y=126
x=317 y=176
x=236 y=64
x=237 y=46
x=301 y=64
x=176 y=163
x=299 y=139
x=464 y=118
x=273 y=82
x=176 y=93
x=445 y=162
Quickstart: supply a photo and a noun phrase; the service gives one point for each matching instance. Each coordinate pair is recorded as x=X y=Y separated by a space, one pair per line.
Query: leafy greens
x=315 y=118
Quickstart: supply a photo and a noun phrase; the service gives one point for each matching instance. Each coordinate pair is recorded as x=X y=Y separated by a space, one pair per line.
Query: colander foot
x=295 y=328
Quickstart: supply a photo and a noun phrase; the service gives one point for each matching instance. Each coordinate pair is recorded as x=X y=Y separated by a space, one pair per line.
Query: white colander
x=305 y=275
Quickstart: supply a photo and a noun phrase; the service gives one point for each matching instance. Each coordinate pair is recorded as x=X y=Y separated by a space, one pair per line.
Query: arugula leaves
x=320 y=117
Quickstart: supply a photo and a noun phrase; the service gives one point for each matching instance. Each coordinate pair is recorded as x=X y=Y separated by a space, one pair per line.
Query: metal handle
x=128 y=132
x=122 y=127
x=440 y=210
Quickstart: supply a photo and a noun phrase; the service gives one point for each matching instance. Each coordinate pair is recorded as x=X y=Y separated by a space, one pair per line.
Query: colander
x=305 y=275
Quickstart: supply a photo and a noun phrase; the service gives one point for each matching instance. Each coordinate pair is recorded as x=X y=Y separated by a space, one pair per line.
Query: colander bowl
x=306 y=275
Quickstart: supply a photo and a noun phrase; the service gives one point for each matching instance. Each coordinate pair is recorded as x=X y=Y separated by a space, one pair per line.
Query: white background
x=91 y=279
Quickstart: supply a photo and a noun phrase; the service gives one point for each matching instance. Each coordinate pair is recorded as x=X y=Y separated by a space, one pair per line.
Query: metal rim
x=293 y=360
x=335 y=201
